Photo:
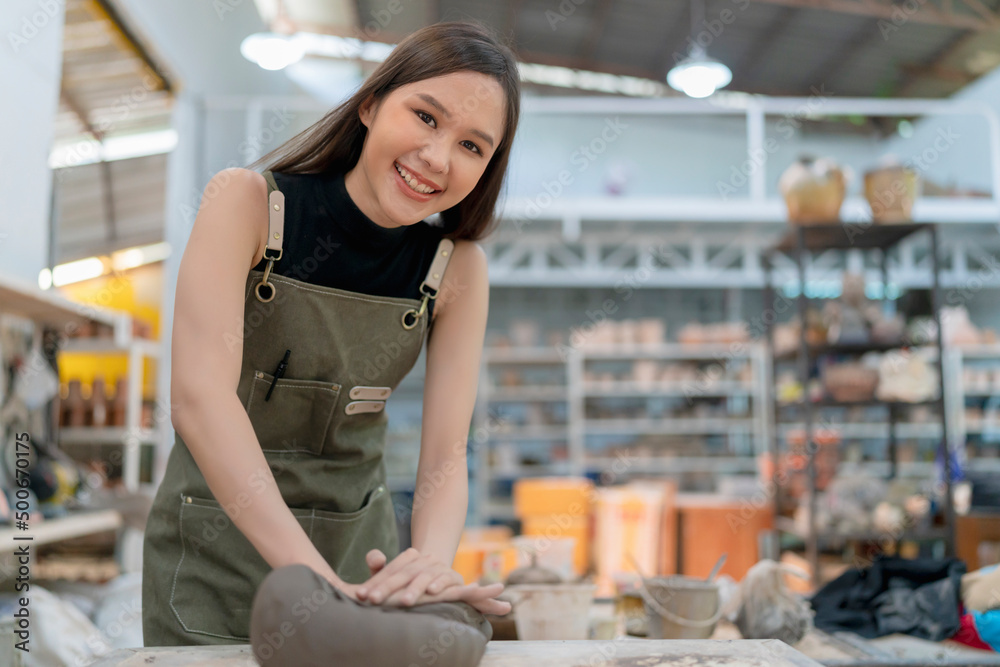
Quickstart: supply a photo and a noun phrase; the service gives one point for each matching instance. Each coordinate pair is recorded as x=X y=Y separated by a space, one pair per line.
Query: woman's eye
x=424 y=116
x=471 y=146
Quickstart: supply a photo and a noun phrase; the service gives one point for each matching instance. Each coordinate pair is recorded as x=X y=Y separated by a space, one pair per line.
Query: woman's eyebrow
x=437 y=105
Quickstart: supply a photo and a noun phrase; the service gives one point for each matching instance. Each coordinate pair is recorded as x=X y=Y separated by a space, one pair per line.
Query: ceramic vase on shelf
x=117 y=412
x=98 y=403
x=814 y=190
x=891 y=191
x=74 y=406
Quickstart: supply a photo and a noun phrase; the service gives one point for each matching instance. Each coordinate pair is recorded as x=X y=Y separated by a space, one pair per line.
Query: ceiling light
x=124 y=147
x=73 y=272
x=271 y=50
x=699 y=76
x=131 y=258
x=256 y=49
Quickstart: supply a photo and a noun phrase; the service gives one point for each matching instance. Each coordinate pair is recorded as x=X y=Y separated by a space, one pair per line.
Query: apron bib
x=322 y=432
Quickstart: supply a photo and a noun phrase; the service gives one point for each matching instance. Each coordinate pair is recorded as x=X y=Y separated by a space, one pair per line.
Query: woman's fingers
x=377 y=581
x=398 y=581
x=376 y=561
x=411 y=593
x=467 y=593
x=492 y=606
x=479 y=597
x=445 y=580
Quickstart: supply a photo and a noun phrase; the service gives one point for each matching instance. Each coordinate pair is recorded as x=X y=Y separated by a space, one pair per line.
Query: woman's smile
x=415 y=186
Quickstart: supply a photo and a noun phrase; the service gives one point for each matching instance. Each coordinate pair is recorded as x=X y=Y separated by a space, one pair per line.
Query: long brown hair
x=335 y=141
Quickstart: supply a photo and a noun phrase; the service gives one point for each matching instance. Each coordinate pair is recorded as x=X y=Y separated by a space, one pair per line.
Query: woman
x=304 y=297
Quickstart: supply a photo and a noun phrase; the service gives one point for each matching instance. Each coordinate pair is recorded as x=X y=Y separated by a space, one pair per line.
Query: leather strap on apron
x=429 y=288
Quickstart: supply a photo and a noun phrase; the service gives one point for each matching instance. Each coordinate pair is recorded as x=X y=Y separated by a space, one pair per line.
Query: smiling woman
x=424 y=151
x=327 y=262
x=458 y=82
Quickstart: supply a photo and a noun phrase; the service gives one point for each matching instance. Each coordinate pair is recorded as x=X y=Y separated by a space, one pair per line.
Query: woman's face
x=427 y=145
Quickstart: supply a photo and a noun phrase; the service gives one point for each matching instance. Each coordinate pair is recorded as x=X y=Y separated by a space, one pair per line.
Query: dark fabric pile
x=918 y=597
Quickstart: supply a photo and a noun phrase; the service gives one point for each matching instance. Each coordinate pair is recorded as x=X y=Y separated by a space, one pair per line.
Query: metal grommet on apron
x=432 y=283
x=322 y=430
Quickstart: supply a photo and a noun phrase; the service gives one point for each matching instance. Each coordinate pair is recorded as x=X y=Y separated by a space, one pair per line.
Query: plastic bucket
x=680 y=607
x=552 y=611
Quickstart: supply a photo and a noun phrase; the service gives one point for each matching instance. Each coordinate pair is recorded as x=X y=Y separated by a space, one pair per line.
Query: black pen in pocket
x=282 y=365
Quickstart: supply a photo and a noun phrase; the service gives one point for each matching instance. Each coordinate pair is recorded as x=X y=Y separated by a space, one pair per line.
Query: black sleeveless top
x=330 y=242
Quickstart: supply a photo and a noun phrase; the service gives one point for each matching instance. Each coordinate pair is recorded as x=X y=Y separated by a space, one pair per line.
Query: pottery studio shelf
x=560 y=387
x=51 y=309
x=48 y=531
x=801 y=243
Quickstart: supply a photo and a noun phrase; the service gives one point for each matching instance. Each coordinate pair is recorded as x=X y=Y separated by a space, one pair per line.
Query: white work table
x=630 y=652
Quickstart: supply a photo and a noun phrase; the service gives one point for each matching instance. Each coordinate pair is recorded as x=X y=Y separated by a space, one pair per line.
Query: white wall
x=954 y=149
x=30 y=69
x=675 y=155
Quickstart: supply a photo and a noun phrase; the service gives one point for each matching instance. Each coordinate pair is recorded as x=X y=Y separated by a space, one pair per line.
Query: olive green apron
x=322 y=431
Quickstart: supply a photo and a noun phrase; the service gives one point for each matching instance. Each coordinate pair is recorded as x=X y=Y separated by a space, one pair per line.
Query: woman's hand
x=480 y=597
x=406 y=579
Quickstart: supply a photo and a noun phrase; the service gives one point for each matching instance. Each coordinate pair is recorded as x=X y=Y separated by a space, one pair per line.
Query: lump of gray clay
x=298 y=618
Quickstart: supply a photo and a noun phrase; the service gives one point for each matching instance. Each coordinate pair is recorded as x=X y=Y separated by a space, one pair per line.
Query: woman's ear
x=366 y=112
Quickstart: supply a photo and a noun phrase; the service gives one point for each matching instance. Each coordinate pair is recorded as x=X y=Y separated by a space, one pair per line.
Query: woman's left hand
x=407 y=578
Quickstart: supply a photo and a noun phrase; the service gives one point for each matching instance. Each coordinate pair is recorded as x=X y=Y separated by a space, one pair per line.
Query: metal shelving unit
x=983 y=397
x=568 y=366
x=51 y=309
x=797 y=243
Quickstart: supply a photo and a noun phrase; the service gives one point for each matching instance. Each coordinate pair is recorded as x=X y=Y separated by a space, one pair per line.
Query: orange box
x=711 y=525
x=469 y=562
x=570 y=496
x=561 y=525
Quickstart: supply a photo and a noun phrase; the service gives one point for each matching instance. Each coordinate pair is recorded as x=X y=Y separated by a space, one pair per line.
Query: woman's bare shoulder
x=237 y=198
x=467 y=268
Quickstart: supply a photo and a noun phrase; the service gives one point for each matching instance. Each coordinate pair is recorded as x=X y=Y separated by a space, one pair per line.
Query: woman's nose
x=435 y=155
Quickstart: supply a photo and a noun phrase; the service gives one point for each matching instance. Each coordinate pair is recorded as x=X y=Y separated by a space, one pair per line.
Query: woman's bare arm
x=227 y=240
x=453 y=354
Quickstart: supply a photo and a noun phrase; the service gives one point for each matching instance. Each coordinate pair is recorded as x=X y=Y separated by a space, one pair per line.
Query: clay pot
x=890 y=192
x=850 y=382
x=98 y=403
x=119 y=402
x=813 y=190
x=75 y=406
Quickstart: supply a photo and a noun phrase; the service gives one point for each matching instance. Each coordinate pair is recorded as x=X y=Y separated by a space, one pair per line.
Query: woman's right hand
x=479 y=597
x=482 y=598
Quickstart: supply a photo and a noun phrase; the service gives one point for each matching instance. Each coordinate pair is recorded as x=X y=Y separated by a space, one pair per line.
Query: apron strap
x=436 y=273
x=275 y=235
x=432 y=282
x=276 y=217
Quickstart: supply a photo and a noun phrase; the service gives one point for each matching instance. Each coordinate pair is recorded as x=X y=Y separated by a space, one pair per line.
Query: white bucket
x=680 y=607
x=552 y=611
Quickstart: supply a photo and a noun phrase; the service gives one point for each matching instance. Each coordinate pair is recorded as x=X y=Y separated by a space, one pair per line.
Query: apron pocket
x=218 y=572
x=345 y=538
x=297 y=416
